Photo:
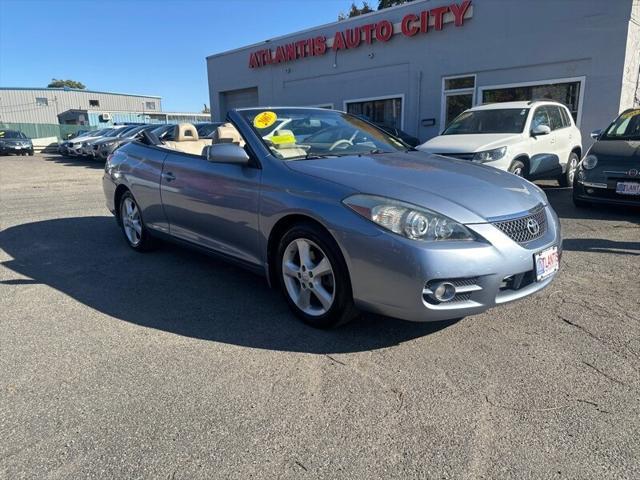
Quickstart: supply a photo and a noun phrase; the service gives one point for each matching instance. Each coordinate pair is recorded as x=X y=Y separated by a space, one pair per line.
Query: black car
x=610 y=171
x=12 y=141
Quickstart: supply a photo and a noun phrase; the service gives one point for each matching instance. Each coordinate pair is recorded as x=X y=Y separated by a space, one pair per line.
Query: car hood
x=464 y=191
x=468 y=143
x=617 y=152
x=101 y=140
x=80 y=141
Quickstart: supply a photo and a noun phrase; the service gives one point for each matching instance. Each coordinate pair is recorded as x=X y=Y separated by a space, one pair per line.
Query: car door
x=213 y=205
x=542 y=156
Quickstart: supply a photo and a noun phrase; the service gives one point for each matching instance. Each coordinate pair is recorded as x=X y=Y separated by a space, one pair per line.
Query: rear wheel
x=566 y=179
x=133 y=228
x=314 y=278
x=518 y=168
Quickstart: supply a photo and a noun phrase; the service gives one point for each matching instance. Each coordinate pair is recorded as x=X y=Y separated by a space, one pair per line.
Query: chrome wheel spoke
x=290 y=269
x=137 y=227
x=303 y=252
x=325 y=298
x=304 y=299
x=322 y=268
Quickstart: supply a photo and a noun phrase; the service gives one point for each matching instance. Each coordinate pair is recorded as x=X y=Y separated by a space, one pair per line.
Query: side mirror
x=596 y=134
x=540 y=130
x=226 y=153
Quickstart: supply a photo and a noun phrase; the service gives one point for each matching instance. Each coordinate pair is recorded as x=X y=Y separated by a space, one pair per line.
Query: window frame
x=455 y=91
x=384 y=97
x=94 y=102
x=581 y=80
x=41 y=103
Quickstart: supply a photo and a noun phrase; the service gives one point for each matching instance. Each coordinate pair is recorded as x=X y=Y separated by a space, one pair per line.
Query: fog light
x=444 y=291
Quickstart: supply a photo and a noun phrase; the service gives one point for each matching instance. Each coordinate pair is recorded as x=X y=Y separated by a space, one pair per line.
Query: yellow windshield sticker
x=630 y=114
x=264 y=120
x=2 y=134
x=283 y=139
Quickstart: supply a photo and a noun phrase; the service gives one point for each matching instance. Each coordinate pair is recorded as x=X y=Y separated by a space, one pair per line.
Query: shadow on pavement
x=179 y=291
x=74 y=161
x=601 y=245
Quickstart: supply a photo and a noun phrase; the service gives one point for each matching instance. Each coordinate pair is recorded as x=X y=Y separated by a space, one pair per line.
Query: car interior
x=185 y=138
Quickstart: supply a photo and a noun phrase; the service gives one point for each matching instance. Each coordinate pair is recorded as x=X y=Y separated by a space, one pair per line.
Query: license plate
x=547 y=263
x=17 y=148
x=628 y=188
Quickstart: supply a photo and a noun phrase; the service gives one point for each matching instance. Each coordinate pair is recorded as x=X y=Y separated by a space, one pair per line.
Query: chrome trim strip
x=515 y=216
x=593 y=185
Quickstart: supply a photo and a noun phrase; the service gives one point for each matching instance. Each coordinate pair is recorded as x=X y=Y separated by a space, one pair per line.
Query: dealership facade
x=417 y=65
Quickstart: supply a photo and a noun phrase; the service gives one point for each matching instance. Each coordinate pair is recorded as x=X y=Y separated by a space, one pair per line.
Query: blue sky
x=155 y=47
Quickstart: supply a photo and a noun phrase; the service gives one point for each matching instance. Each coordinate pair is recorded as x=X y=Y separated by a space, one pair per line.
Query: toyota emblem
x=633 y=172
x=533 y=226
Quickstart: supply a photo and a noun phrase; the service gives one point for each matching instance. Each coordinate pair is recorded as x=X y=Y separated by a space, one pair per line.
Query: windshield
x=11 y=134
x=625 y=127
x=121 y=132
x=503 y=120
x=206 y=129
x=296 y=133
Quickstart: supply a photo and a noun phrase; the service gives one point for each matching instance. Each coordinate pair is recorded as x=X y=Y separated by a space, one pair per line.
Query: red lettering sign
x=410 y=25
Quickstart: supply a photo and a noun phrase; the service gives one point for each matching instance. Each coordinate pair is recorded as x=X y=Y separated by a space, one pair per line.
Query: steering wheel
x=342 y=141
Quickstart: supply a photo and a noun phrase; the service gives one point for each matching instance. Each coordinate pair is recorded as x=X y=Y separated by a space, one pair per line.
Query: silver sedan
x=339 y=215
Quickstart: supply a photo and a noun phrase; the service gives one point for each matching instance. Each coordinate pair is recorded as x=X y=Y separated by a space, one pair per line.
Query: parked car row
x=99 y=144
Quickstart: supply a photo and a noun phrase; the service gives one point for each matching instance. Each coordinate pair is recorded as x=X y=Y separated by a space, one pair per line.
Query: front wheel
x=132 y=225
x=518 y=168
x=566 y=179
x=314 y=278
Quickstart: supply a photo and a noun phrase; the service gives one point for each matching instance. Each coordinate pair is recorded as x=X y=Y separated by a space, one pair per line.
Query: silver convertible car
x=339 y=215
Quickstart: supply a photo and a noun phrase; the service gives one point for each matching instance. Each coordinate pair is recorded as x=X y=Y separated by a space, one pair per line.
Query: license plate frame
x=546 y=263
x=628 y=188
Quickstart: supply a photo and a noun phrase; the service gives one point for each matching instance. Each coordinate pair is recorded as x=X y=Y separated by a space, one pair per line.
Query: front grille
x=460 y=156
x=522 y=229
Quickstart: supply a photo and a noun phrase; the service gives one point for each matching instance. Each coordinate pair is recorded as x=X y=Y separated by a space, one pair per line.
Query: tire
x=132 y=226
x=518 y=168
x=566 y=179
x=321 y=300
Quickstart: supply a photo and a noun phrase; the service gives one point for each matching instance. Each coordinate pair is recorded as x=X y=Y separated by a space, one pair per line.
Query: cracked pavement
x=174 y=365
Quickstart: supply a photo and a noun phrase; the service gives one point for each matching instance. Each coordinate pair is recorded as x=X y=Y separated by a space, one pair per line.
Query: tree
x=56 y=83
x=354 y=11
x=382 y=4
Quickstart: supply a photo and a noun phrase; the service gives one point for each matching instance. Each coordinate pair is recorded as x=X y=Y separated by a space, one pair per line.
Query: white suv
x=535 y=140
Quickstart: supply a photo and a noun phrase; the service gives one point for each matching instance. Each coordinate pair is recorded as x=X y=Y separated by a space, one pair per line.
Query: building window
x=458 y=95
x=150 y=105
x=567 y=93
x=42 y=101
x=383 y=111
x=94 y=103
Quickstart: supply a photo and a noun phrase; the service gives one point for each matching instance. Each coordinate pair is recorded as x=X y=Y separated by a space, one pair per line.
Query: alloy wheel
x=131 y=221
x=308 y=277
x=573 y=165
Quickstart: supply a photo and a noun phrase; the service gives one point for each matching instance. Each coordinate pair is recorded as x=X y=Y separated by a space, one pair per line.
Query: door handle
x=169 y=177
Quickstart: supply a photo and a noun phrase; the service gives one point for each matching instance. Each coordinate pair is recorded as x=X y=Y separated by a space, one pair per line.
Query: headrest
x=185 y=132
x=227 y=133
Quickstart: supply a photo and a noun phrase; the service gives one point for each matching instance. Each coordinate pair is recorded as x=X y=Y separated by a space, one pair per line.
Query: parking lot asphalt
x=171 y=364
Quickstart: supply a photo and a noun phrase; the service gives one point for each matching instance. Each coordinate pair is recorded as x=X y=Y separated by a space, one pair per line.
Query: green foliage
x=56 y=83
x=355 y=11
x=382 y=4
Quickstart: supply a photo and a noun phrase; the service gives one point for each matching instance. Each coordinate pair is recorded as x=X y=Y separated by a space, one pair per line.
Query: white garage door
x=247 y=97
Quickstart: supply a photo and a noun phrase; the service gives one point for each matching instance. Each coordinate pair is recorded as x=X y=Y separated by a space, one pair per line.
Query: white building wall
x=630 y=95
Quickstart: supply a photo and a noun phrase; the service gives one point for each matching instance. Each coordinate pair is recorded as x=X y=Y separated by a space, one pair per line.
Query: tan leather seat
x=187 y=140
x=227 y=133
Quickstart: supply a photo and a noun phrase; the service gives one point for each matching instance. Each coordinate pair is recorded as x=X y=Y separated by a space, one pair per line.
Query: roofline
x=80 y=90
x=318 y=27
x=146 y=112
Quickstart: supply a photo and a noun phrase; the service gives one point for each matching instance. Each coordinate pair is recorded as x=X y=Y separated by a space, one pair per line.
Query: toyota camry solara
x=339 y=215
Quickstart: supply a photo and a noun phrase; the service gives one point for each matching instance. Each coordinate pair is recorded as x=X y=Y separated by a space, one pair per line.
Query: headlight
x=109 y=144
x=407 y=220
x=589 y=162
x=490 y=155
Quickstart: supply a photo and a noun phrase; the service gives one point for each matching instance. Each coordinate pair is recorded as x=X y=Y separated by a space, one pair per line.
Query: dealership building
x=417 y=65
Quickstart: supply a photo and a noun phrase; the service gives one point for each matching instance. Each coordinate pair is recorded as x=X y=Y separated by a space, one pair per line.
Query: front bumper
x=16 y=149
x=604 y=192
x=389 y=273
